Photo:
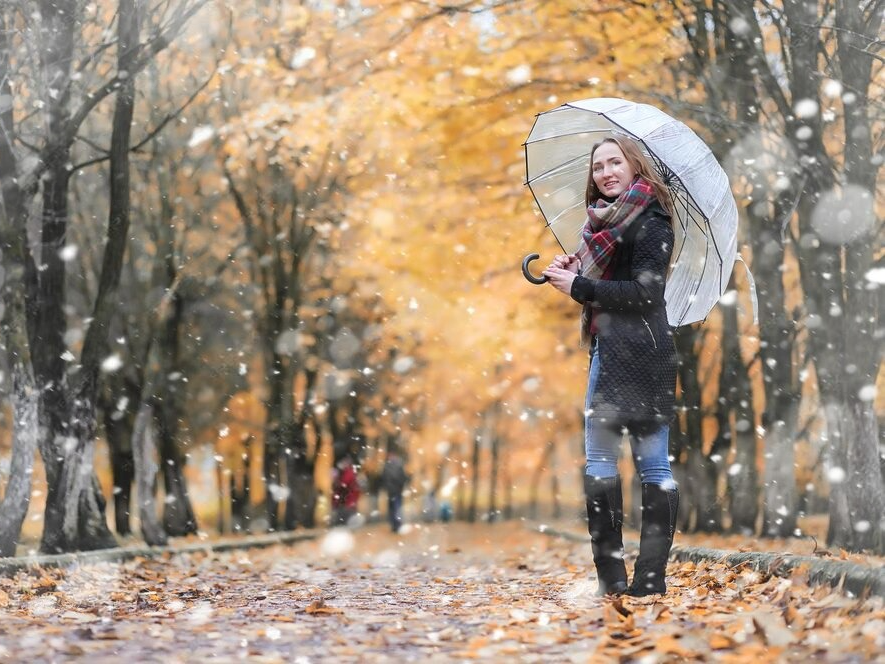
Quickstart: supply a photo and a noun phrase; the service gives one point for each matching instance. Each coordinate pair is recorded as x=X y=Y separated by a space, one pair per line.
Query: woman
x=618 y=275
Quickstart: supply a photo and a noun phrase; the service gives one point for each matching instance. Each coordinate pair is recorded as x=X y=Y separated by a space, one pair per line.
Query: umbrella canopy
x=557 y=159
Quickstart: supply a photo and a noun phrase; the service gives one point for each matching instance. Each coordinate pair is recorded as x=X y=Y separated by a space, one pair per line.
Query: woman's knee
x=602 y=447
x=660 y=475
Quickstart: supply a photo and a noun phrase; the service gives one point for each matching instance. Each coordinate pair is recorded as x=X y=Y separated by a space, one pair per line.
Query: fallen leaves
x=510 y=595
x=318 y=607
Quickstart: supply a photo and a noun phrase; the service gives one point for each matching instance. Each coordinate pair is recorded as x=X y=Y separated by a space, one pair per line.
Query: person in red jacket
x=345 y=492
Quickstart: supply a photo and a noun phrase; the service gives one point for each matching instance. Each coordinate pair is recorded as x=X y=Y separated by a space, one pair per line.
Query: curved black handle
x=527 y=273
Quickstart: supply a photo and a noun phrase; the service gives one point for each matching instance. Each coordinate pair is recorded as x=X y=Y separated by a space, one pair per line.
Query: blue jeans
x=602 y=442
x=395 y=511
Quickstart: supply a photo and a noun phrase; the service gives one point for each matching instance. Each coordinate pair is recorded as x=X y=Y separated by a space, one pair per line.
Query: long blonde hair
x=639 y=163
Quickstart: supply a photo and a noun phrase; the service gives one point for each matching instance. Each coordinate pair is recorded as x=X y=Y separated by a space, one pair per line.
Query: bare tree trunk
x=14 y=323
x=863 y=305
x=743 y=486
x=554 y=483
x=58 y=20
x=119 y=437
x=544 y=464
x=239 y=504
x=178 y=514
x=474 y=483
x=302 y=499
x=460 y=502
x=301 y=464
x=84 y=524
x=14 y=506
x=145 y=476
x=222 y=490
x=779 y=491
x=864 y=479
x=493 y=479
x=780 y=377
x=272 y=450
x=839 y=528
x=74 y=517
x=701 y=469
x=508 y=491
x=678 y=446
x=743 y=489
x=300 y=467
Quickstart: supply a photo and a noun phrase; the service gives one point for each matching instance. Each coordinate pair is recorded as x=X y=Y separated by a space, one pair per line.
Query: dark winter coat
x=394 y=477
x=637 y=357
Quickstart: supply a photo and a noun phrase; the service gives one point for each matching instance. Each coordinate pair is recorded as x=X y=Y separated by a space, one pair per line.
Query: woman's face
x=612 y=173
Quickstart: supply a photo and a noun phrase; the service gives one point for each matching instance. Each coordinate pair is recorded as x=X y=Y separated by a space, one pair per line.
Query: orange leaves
x=619 y=621
x=507 y=593
x=722 y=642
x=318 y=607
x=43 y=585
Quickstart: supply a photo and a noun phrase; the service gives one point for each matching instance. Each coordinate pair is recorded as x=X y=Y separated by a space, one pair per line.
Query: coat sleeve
x=652 y=249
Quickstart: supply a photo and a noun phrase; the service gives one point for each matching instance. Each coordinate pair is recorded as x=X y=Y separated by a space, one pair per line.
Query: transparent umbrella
x=557 y=154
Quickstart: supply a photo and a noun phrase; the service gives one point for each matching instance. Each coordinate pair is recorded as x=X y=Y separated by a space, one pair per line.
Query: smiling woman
x=618 y=274
x=611 y=172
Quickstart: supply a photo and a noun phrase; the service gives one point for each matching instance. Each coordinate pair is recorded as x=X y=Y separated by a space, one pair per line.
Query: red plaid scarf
x=606 y=225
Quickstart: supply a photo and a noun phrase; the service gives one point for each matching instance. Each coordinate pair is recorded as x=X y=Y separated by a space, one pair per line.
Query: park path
x=435 y=593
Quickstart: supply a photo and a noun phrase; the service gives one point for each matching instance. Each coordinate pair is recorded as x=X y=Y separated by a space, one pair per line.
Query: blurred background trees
x=242 y=241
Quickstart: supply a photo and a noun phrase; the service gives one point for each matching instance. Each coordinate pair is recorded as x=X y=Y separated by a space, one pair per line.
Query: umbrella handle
x=527 y=273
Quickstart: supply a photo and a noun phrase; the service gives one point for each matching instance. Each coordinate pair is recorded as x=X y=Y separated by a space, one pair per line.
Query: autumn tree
x=799 y=108
x=67 y=76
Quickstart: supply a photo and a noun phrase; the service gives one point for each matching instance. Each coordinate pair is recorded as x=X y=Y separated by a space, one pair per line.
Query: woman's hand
x=568 y=262
x=562 y=272
x=560 y=279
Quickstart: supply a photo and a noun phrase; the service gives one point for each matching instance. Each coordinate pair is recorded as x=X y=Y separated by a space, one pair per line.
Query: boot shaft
x=605 y=503
x=659 y=509
x=605 y=517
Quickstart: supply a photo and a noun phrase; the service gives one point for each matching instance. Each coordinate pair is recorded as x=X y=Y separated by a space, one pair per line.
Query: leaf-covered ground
x=438 y=593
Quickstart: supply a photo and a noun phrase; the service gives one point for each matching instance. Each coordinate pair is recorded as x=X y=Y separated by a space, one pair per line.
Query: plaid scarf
x=606 y=225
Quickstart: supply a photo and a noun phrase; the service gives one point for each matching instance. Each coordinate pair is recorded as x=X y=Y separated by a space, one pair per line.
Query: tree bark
x=14 y=506
x=474 y=483
x=74 y=516
x=544 y=464
x=58 y=20
x=119 y=437
x=839 y=527
x=302 y=498
x=701 y=470
x=178 y=514
x=779 y=375
x=239 y=504
x=89 y=528
x=14 y=321
x=863 y=303
x=493 y=478
x=272 y=451
x=743 y=481
x=145 y=474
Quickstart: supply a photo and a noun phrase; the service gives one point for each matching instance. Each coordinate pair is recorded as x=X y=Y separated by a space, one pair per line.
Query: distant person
x=618 y=274
x=445 y=510
x=345 y=492
x=394 y=480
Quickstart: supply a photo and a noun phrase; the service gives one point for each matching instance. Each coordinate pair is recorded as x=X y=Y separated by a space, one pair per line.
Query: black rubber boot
x=658 y=526
x=605 y=516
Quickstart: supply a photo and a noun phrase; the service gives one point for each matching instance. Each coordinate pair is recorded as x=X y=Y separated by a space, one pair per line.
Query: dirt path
x=442 y=593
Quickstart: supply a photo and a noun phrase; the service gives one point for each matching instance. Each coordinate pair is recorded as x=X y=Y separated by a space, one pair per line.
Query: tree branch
x=146 y=53
x=151 y=135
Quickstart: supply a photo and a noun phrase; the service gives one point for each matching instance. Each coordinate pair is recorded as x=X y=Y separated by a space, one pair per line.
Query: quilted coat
x=637 y=356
